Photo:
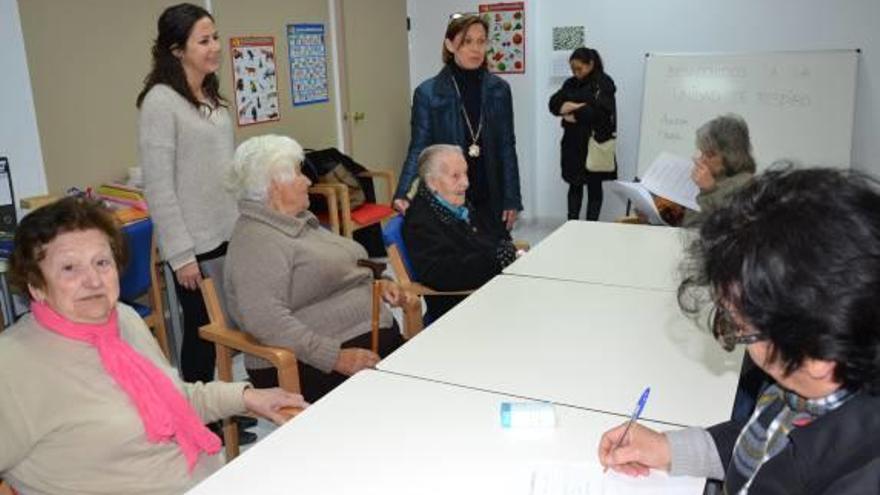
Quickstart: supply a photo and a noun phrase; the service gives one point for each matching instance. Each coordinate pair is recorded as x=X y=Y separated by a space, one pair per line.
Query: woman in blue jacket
x=466 y=105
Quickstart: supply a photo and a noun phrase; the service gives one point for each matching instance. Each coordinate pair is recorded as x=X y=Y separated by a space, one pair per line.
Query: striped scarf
x=777 y=413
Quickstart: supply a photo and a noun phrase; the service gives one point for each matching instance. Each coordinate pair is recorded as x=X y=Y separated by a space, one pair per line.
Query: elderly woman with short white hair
x=451 y=248
x=291 y=283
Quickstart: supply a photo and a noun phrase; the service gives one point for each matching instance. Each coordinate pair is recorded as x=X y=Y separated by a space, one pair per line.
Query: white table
x=608 y=253
x=587 y=345
x=384 y=434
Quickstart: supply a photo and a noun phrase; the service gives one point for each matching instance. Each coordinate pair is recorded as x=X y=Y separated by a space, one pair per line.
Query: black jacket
x=598 y=116
x=837 y=454
x=449 y=254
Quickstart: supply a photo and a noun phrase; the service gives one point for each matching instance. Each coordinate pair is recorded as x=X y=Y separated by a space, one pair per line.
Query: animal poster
x=254 y=78
x=308 y=64
x=507 y=37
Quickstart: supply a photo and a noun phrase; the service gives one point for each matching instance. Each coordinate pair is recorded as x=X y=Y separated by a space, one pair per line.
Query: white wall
x=428 y=19
x=19 y=138
x=624 y=30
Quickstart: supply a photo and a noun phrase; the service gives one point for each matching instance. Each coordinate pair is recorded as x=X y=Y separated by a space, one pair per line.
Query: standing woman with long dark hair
x=186 y=145
x=467 y=106
x=587 y=107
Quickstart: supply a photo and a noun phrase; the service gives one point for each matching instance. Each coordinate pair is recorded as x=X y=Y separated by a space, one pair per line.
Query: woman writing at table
x=467 y=106
x=88 y=403
x=793 y=266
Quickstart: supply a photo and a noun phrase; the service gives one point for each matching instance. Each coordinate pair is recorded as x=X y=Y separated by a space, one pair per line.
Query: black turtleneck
x=470 y=84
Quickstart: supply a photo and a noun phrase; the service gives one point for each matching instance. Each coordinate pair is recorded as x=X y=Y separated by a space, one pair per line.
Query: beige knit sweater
x=185 y=156
x=67 y=427
x=291 y=283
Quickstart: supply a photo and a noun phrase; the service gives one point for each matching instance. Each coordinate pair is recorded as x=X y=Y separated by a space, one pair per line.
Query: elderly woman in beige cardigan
x=291 y=283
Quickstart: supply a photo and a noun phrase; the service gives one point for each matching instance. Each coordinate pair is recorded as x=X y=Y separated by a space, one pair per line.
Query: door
x=375 y=78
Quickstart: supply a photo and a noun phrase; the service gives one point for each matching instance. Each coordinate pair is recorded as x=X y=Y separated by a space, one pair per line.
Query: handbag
x=600 y=156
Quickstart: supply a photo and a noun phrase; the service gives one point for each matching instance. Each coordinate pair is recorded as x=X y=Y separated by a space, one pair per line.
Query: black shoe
x=244 y=437
x=245 y=422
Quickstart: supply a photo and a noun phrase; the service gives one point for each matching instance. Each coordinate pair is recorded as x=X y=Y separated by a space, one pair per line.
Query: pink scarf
x=165 y=412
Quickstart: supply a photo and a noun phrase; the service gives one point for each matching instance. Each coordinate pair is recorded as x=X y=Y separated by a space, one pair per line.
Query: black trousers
x=313 y=382
x=594 y=199
x=196 y=355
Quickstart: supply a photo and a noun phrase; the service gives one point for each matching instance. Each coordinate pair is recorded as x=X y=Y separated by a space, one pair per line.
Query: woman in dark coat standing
x=587 y=107
x=466 y=105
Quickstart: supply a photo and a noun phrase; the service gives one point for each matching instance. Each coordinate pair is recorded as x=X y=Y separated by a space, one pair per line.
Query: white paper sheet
x=640 y=197
x=588 y=479
x=669 y=176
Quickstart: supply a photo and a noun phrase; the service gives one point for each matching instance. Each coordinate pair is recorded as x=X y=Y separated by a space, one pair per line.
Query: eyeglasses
x=728 y=333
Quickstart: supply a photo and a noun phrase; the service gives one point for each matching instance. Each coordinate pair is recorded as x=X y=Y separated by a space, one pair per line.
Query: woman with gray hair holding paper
x=291 y=283
x=724 y=163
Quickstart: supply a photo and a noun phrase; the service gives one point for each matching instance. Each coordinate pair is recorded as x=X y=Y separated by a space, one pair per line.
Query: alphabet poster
x=254 y=79
x=507 y=37
x=308 y=64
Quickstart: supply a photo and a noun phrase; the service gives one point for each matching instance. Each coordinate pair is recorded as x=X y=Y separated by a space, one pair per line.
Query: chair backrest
x=392 y=235
x=135 y=279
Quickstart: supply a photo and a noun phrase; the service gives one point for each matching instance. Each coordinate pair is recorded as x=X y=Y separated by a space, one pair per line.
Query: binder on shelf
x=8 y=219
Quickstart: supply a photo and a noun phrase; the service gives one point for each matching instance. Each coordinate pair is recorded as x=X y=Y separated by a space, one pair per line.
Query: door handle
x=358 y=116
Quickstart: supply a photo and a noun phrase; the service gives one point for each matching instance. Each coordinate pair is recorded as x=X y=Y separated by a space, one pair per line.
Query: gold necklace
x=474 y=148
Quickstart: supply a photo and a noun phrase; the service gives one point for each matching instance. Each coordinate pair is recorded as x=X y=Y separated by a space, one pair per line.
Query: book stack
x=128 y=203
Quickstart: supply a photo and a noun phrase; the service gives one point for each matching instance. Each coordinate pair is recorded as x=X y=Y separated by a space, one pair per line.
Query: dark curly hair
x=174 y=27
x=44 y=224
x=797 y=254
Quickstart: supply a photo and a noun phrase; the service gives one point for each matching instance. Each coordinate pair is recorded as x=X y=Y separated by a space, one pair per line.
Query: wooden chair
x=369 y=213
x=227 y=339
x=630 y=219
x=398 y=258
x=329 y=191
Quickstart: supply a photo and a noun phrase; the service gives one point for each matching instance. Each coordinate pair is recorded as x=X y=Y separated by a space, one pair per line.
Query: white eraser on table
x=528 y=415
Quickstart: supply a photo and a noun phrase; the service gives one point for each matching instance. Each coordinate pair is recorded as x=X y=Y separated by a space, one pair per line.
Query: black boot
x=244 y=437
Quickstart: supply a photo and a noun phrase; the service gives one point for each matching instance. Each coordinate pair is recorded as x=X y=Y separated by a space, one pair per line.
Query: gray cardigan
x=291 y=283
x=185 y=156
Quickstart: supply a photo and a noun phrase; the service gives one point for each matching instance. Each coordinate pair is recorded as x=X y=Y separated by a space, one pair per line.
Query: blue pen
x=633 y=418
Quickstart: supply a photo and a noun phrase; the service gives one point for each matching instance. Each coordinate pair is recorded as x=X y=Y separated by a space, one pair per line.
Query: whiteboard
x=798 y=105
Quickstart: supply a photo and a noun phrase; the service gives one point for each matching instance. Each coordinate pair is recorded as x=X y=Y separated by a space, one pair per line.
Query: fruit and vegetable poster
x=308 y=64
x=507 y=37
x=254 y=79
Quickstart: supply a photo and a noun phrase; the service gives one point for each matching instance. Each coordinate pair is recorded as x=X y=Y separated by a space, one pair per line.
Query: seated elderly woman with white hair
x=291 y=283
x=450 y=246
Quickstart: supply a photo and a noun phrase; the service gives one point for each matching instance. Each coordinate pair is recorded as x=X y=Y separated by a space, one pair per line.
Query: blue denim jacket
x=436 y=119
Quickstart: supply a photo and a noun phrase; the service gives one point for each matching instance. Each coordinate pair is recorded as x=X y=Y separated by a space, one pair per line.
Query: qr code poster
x=568 y=37
x=254 y=79
x=507 y=37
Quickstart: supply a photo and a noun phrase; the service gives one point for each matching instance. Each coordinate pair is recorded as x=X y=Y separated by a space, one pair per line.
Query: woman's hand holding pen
x=641 y=450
